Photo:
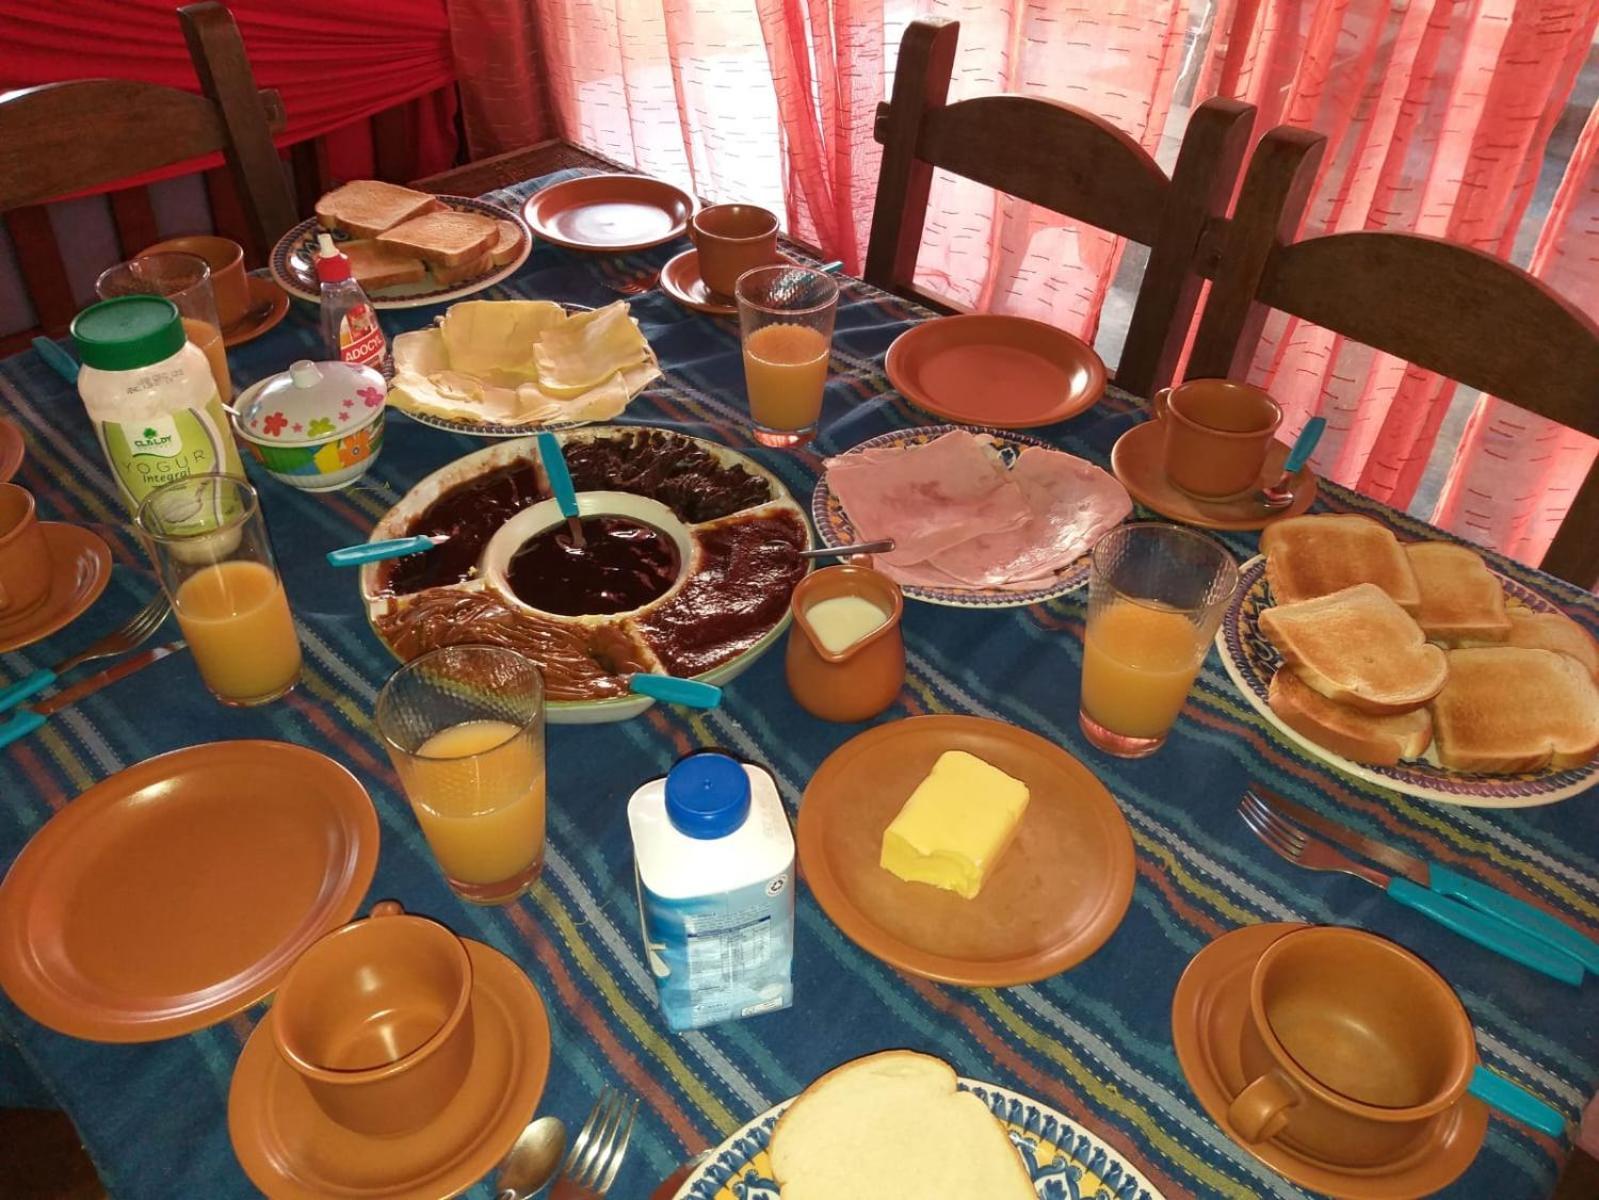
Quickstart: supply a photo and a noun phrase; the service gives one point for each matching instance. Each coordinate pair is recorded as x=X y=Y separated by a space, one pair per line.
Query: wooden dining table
x=1094 y=1042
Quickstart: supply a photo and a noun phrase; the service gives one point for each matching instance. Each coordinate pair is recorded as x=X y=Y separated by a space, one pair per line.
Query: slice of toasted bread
x=1551 y=631
x=450 y=276
x=1461 y=600
x=366 y=207
x=445 y=239
x=1381 y=741
x=1357 y=647
x=379 y=266
x=1508 y=709
x=510 y=241
x=1307 y=557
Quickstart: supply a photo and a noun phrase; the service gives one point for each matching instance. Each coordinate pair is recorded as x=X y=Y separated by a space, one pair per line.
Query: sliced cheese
x=587 y=349
x=956 y=825
x=482 y=336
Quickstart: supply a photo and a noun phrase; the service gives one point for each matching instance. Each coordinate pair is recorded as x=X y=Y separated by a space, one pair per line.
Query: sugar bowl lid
x=311 y=402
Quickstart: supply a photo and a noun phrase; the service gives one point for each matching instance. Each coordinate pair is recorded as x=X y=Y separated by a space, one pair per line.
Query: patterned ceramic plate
x=293 y=268
x=833 y=524
x=1251 y=660
x=1064 y=1161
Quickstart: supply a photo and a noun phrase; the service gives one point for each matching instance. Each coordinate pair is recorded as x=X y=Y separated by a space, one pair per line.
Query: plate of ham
x=981 y=518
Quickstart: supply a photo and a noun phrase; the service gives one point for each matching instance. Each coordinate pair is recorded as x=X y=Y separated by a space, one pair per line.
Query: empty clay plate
x=80 y=565
x=1138 y=460
x=1053 y=898
x=292 y=1151
x=180 y=890
x=987 y=369
x=11 y=448
x=1207 y=1017
x=613 y=213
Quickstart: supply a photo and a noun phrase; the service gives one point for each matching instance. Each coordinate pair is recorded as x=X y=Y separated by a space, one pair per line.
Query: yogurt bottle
x=714 y=868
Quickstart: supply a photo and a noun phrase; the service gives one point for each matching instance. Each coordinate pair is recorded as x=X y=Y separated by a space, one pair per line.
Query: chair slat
x=394 y=143
x=43 y=272
x=228 y=215
x=134 y=216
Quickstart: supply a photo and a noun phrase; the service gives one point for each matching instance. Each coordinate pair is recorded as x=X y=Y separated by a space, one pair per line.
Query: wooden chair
x=1442 y=306
x=66 y=137
x=1064 y=159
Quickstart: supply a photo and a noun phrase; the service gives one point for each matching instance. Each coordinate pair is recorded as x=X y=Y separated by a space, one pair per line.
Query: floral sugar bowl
x=316 y=426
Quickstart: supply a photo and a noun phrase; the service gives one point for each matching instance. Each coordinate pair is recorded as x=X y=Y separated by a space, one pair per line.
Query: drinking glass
x=209 y=544
x=785 y=314
x=184 y=279
x=464 y=726
x=1156 y=593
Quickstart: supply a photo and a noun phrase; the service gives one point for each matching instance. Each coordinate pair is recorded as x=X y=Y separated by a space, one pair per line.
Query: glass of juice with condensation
x=210 y=547
x=1156 y=594
x=184 y=279
x=464 y=726
x=785 y=315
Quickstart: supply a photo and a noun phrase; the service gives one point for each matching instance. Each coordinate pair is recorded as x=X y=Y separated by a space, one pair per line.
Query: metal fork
x=596 y=1155
x=134 y=632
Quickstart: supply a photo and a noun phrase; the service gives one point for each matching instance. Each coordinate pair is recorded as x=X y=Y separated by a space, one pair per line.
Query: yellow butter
x=956 y=825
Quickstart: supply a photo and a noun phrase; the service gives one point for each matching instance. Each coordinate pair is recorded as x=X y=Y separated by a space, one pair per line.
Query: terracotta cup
x=1353 y=1047
x=225 y=257
x=732 y=239
x=1217 y=435
x=24 y=554
x=859 y=680
x=376 y=1017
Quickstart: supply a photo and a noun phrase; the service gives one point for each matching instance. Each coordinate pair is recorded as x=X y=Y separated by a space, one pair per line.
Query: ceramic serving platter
x=1251 y=660
x=1063 y=1159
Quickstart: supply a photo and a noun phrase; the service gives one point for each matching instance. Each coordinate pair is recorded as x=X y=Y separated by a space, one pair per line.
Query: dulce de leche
x=846 y=659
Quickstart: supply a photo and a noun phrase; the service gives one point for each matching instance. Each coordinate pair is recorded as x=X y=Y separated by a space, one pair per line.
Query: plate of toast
x=1413 y=666
x=407 y=248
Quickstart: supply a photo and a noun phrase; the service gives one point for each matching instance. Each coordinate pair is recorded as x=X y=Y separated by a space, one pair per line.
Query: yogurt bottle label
x=158 y=450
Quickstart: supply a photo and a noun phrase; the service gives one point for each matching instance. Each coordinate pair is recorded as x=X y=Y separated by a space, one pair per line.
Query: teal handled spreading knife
x=690 y=692
x=31 y=718
x=354 y=556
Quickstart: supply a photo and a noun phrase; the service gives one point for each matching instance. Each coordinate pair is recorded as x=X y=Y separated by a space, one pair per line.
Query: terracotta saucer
x=993 y=370
x=269 y=304
x=1053 y=899
x=1208 y=1014
x=680 y=279
x=292 y=1151
x=12 y=448
x=609 y=213
x=180 y=890
x=81 y=564
x=1137 y=459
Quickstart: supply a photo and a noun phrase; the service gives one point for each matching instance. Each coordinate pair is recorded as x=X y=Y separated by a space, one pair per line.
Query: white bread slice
x=444 y=239
x=894 y=1125
x=1380 y=741
x=1552 y=631
x=1357 y=647
x=1461 y=600
x=1315 y=556
x=504 y=250
x=1508 y=709
x=450 y=276
x=380 y=266
x=366 y=207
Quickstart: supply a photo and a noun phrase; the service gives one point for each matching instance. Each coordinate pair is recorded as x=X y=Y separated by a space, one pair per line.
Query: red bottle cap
x=331 y=266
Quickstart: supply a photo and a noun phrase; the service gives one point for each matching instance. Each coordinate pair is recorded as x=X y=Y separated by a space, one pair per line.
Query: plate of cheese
x=965 y=850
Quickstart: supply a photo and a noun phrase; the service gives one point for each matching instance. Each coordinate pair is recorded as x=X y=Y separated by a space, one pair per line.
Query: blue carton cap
x=707 y=795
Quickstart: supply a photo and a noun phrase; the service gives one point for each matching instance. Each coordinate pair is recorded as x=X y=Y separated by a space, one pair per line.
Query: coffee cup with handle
x=225 y=257
x=1217 y=435
x=731 y=239
x=24 y=554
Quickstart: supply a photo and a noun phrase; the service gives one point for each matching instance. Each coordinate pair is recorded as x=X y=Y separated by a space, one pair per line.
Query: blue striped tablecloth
x=1094 y=1042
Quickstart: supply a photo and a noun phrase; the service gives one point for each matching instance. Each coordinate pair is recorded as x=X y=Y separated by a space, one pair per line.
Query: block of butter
x=956 y=825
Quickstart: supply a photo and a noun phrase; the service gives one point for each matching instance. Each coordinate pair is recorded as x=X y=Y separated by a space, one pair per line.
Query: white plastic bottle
x=714 y=865
x=349 y=323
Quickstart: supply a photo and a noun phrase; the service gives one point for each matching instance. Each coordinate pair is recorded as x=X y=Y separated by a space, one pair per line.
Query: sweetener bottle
x=349 y=323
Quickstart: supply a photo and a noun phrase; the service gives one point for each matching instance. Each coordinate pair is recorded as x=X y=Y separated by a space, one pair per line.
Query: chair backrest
x=1444 y=307
x=1064 y=159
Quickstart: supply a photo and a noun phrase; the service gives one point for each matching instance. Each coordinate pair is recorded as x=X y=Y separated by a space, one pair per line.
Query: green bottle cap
x=128 y=332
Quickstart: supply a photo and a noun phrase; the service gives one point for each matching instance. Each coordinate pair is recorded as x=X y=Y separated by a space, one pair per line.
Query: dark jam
x=469 y=514
x=622 y=564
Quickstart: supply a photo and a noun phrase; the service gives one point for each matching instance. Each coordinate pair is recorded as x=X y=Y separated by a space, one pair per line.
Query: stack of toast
x=402 y=236
x=1392 y=649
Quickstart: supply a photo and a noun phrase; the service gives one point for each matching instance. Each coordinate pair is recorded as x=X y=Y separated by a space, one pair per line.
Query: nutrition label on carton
x=726 y=946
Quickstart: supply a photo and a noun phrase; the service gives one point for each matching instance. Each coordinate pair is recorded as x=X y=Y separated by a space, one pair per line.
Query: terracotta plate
x=611 y=213
x=269 y=304
x=1207 y=1020
x=1138 y=461
x=11 y=448
x=179 y=890
x=80 y=564
x=988 y=369
x=291 y=1151
x=1053 y=899
x=680 y=279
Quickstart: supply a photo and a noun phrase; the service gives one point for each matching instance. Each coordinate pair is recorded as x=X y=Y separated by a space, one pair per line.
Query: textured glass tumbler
x=785 y=314
x=464 y=727
x=184 y=279
x=1156 y=594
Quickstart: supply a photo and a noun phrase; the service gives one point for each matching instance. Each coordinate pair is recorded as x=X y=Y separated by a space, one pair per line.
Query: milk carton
x=714 y=868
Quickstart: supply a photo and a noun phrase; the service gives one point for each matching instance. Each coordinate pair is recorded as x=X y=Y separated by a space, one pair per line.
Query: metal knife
x=1527 y=919
x=30 y=718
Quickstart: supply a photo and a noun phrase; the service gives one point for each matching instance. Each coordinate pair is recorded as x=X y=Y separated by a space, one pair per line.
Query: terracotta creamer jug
x=843 y=663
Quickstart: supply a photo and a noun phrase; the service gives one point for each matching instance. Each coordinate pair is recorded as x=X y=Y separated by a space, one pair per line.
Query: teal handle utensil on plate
x=1304 y=445
x=354 y=556
x=1514 y=1101
x=560 y=478
x=1531 y=920
x=676 y=691
x=20 y=726
x=57 y=359
x=14 y=694
x=1488 y=931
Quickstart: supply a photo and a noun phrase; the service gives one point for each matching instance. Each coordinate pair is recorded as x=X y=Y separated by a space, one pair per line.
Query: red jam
x=621 y=565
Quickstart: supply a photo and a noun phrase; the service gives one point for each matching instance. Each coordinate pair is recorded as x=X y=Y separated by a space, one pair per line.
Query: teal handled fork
x=132 y=634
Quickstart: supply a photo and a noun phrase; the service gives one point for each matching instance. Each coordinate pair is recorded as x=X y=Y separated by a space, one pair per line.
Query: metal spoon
x=533 y=1161
x=1279 y=494
x=849 y=549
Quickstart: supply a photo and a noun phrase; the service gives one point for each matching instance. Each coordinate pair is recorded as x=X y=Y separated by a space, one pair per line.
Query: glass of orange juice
x=210 y=547
x=464 y=726
x=785 y=314
x=184 y=279
x=1156 y=594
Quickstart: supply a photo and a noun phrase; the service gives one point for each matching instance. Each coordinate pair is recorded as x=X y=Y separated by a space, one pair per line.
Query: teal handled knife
x=691 y=692
x=1526 y=921
x=31 y=718
x=560 y=478
x=354 y=556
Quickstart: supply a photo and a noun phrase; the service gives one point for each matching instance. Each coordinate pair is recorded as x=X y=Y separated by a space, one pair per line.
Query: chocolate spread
x=622 y=564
